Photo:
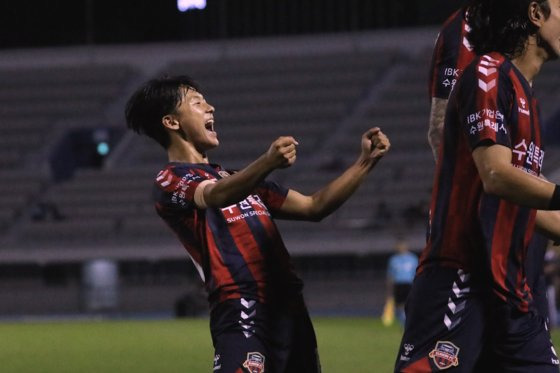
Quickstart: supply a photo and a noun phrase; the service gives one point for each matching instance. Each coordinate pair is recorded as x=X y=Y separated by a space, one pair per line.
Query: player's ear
x=536 y=14
x=170 y=122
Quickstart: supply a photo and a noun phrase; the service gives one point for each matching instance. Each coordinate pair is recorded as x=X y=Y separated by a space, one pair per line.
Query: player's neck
x=185 y=153
x=530 y=62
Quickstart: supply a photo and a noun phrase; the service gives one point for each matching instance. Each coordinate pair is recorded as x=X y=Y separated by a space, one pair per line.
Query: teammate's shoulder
x=492 y=59
x=487 y=68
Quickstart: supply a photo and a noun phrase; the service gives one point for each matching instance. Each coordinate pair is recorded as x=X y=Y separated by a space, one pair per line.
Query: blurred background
x=78 y=231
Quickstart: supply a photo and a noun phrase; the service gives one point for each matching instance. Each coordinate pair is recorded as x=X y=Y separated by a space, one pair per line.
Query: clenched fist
x=374 y=144
x=282 y=152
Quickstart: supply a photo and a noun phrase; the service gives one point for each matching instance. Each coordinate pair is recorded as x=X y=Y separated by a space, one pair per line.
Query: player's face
x=550 y=30
x=196 y=119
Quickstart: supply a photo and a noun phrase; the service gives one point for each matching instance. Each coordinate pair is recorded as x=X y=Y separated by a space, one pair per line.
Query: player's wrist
x=554 y=203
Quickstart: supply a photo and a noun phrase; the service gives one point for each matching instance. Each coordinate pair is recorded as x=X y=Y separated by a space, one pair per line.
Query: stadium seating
x=326 y=98
x=37 y=106
x=325 y=91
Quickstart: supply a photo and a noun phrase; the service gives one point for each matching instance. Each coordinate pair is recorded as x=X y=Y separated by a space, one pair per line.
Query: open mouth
x=209 y=125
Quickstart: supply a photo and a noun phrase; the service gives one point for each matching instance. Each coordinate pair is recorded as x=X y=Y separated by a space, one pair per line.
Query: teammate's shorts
x=534 y=264
x=445 y=319
x=519 y=342
x=400 y=292
x=252 y=337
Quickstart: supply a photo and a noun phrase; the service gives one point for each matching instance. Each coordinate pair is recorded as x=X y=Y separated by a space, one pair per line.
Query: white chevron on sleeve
x=487 y=71
x=467 y=44
x=486 y=86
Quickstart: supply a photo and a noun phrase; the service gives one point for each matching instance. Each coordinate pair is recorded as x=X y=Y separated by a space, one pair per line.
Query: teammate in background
x=224 y=219
x=400 y=274
x=470 y=285
x=452 y=54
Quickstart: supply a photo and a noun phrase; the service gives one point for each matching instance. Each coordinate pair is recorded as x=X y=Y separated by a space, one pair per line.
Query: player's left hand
x=375 y=144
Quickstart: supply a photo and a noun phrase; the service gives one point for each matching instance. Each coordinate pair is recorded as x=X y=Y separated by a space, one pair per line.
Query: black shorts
x=252 y=337
x=453 y=323
x=519 y=342
x=445 y=319
x=400 y=292
x=534 y=264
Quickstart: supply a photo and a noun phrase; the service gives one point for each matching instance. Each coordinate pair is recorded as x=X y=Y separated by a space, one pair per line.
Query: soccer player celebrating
x=224 y=219
x=484 y=200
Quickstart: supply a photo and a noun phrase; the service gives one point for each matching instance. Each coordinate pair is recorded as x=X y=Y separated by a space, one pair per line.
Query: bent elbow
x=492 y=183
x=315 y=215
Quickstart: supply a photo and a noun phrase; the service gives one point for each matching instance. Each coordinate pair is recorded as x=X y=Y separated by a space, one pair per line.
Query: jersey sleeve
x=272 y=194
x=485 y=99
x=443 y=70
x=175 y=187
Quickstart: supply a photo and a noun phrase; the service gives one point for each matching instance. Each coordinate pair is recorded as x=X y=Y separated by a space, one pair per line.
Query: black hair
x=501 y=25
x=152 y=101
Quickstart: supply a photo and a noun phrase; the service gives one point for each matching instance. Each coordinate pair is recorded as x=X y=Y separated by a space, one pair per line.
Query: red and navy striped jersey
x=492 y=103
x=237 y=249
x=452 y=53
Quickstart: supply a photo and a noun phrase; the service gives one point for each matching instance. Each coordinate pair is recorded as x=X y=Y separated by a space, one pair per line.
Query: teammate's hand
x=375 y=144
x=282 y=152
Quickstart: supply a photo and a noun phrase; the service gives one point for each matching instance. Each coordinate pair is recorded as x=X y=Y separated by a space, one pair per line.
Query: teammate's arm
x=548 y=224
x=232 y=189
x=501 y=178
x=319 y=205
x=437 y=116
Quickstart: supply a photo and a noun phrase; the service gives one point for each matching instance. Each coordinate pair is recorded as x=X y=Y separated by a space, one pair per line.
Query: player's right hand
x=282 y=152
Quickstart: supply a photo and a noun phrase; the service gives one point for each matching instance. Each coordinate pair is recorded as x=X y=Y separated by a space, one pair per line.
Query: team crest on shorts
x=254 y=362
x=445 y=355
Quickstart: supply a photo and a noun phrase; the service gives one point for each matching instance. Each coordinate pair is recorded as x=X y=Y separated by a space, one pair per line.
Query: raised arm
x=322 y=203
x=232 y=189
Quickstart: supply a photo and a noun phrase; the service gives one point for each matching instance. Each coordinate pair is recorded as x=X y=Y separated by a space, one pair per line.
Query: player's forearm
x=501 y=178
x=548 y=224
x=437 y=117
x=519 y=187
x=332 y=196
x=236 y=187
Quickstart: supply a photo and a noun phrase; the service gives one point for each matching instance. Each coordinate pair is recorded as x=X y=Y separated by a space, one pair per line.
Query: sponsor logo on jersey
x=445 y=355
x=254 y=362
x=250 y=206
x=523 y=109
x=528 y=155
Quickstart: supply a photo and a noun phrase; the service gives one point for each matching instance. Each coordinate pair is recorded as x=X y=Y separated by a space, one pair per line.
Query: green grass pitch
x=345 y=345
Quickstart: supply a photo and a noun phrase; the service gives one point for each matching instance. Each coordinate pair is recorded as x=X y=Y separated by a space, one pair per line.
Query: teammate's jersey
x=452 y=53
x=492 y=103
x=237 y=249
